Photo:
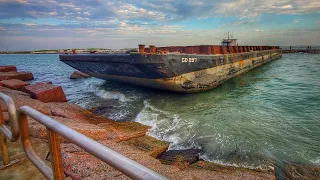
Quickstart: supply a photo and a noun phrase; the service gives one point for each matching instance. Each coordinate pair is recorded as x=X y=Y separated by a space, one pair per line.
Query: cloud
x=259 y=30
x=87 y=13
x=144 y=18
x=146 y=10
x=130 y=11
x=29 y=24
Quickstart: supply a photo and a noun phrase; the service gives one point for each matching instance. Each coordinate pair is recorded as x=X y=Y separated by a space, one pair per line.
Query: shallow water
x=271 y=114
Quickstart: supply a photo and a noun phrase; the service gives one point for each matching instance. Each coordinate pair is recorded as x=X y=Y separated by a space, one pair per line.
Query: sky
x=60 y=24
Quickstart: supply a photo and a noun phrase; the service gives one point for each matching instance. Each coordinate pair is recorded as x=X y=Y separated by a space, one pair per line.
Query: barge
x=184 y=69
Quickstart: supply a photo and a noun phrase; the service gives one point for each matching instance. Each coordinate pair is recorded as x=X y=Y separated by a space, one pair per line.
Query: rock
x=24 y=76
x=74 y=159
x=43 y=82
x=95 y=132
x=85 y=166
x=123 y=131
x=105 y=111
x=102 y=110
x=23 y=99
x=14 y=84
x=8 y=69
x=73 y=111
x=35 y=85
x=188 y=156
x=78 y=75
x=46 y=92
x=208 y=170
x=148 y=144
x=299 y=171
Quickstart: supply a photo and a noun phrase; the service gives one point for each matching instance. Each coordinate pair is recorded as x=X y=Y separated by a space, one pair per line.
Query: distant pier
x=301 y=49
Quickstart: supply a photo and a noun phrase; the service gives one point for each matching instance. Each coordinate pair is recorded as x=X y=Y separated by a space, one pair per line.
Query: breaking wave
x=166 y=126
x=316 y=161
x=112 y=95
x=182 y=134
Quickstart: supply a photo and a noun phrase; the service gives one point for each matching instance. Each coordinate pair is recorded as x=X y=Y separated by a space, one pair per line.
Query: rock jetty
x=127 y=138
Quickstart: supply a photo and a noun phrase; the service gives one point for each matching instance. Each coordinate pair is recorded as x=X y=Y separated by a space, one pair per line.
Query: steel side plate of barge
x=185 y=69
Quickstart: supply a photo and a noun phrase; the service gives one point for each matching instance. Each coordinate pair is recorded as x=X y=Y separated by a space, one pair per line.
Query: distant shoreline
x=28 y=52
x=72 y=50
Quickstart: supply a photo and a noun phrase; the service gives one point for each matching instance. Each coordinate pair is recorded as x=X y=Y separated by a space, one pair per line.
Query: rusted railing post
x=4 y=152
x=5 y=132
x=3 y=144
x=55 y=152
x=123 y=164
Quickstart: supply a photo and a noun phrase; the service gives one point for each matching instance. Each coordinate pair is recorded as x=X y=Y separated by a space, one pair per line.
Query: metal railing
x=5 y=132
x=55 y=129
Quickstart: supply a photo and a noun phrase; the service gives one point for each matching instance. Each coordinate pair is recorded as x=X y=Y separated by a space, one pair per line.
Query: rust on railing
x=5 y=132
x=123 y=164
x=55 y=129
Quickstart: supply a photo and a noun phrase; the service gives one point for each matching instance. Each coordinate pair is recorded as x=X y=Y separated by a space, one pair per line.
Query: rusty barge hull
x=185 y=73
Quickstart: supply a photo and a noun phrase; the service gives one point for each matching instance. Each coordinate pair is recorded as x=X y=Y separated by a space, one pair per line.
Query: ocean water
x=269 y=115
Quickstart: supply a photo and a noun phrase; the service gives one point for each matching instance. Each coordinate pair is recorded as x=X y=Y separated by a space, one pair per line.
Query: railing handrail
x=54 y=128
x=123 y=164
x=13 y=134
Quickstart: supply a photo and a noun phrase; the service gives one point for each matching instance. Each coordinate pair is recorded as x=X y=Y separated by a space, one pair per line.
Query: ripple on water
x=269 y=114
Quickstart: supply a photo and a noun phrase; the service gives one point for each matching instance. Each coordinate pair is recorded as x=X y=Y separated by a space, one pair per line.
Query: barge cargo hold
x=185 y=69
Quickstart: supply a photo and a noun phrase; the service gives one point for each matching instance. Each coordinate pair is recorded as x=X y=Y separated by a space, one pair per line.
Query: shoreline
x=128 y=138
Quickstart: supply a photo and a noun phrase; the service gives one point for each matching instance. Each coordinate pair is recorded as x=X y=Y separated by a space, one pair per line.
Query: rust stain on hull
x=202 y=80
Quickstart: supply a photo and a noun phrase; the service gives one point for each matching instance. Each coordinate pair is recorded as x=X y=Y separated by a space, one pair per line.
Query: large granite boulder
x=149 y=145
x=208 y=170
x=180 y=157
x=14 y=84
x=73 y=111
x=46 y=92
x=24 y=76
x=95 y=132
x=8 y=69
x=300 y=171
x=123 y=131
x=23 y=99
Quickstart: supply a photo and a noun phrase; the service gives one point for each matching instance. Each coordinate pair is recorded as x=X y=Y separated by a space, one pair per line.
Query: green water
x=269 y=115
